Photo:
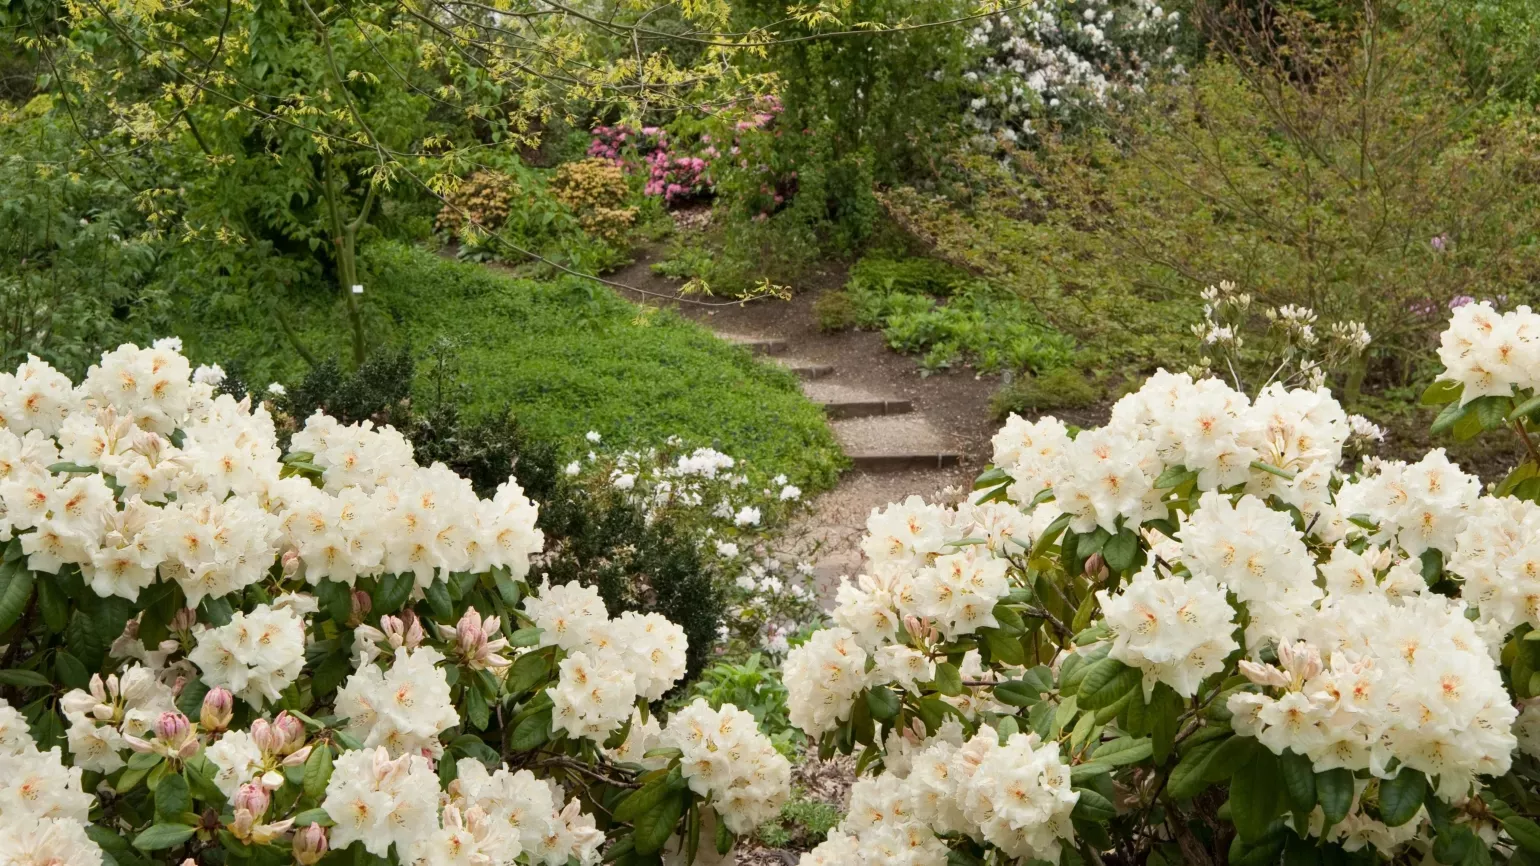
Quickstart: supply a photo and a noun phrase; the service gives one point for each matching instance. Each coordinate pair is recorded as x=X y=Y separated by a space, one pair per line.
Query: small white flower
x=593 y=436
x=276 y=389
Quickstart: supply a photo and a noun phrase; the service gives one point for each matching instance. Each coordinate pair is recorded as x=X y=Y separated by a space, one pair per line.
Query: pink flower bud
x=290 y=562
x=184 y=619
x=361 y=606
x=268 y=737
x=218 y=708
x=253 y=798
x=293 y=731
x=172 y=727
x=310 y=845
x=1096 y=568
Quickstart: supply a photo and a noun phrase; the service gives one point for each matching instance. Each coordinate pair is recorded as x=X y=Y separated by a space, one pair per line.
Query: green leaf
x=1107 y=681
x=948 y=679
x=528 y=671
x=1123 y=751
x=162 y=836
x=647 y=797
x=1174 y=476
x=532 y=733
x=72 y=672
x=1017 y=693
x=15 y=592
x=25 y=679
x=1257 y=796
x=1121 y=550
x=1003 y=647
x=1523 y=830
x=1334 y=791
x=172 y=797
x=313 y=816
x=525 y=637
x=883 y=703
x=1442 y=391
x=1299 y=781
x=336 y=599
x=438 y=599
x=507 y=587
x=1205 y=763
x=53 y=604
x=476 y=710
x=1093 y=806
x=318 y=771
x=390 y=593
x=724 y=838
x=1526 y=409
x=1260 y=852
x=1492 y=411
x=653 y=828
x=68 y=468
x=1081 y=773
x=1452 y=415
x=1402 y=796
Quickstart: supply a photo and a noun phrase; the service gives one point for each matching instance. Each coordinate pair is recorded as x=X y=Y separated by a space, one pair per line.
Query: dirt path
x=906 y=433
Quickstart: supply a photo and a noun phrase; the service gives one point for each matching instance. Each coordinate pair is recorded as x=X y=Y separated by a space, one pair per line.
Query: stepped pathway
x=904 y=433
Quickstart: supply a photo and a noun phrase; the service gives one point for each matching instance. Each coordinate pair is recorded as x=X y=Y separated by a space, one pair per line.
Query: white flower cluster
x=403 y=709
x=1051 y=61
x=502 y=815
x=609 y=663
x=112 y=709
x=214 y=512
x=1175 y=631
x=1375 y=678
x=256 y=655
x=43 y=808
x=1015 y=796
x=1106 y=475
x=1491 y=353
x=727 y=759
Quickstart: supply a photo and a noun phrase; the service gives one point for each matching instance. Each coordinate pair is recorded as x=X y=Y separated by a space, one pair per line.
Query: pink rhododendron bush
x=215 y=652
x=1201 y=634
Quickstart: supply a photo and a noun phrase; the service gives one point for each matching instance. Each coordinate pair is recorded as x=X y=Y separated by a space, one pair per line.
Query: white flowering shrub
x=735 y=516
x=213 y=652
x=1055 y=61
x=1193 y=636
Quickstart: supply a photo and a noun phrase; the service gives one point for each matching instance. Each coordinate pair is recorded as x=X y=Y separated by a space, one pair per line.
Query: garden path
x=905 y=433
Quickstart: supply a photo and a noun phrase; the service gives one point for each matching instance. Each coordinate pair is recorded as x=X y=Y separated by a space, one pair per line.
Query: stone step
x=843 y=401
x=806 y=370
x=757 y=345
x=893 y=443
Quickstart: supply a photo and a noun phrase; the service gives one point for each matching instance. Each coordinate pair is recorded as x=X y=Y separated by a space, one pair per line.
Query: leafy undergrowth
x=947 y=317
x=567 y=356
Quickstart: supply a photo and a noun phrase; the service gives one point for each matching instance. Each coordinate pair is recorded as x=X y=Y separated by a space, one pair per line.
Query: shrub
x=1390 y=194
x=1141 y=643
x=835 y=311
x=350 y=660
x=482 y=200
x=1064 y=388
x=596 y=190
x=989 y=328
x=755 y=686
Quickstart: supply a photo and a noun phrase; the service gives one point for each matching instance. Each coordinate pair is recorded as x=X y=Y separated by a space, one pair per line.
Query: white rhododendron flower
x=256 y=655
x=1175 y=631
x=403 y=709
x=823 y=677
x=729 y=761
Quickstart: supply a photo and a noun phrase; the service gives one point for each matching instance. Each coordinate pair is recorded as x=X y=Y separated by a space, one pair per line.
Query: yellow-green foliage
x=482 y=200
x=596 y=191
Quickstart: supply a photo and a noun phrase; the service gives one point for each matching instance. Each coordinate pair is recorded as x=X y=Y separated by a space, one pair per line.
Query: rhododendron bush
x=217 y=652
x=1200 y=634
